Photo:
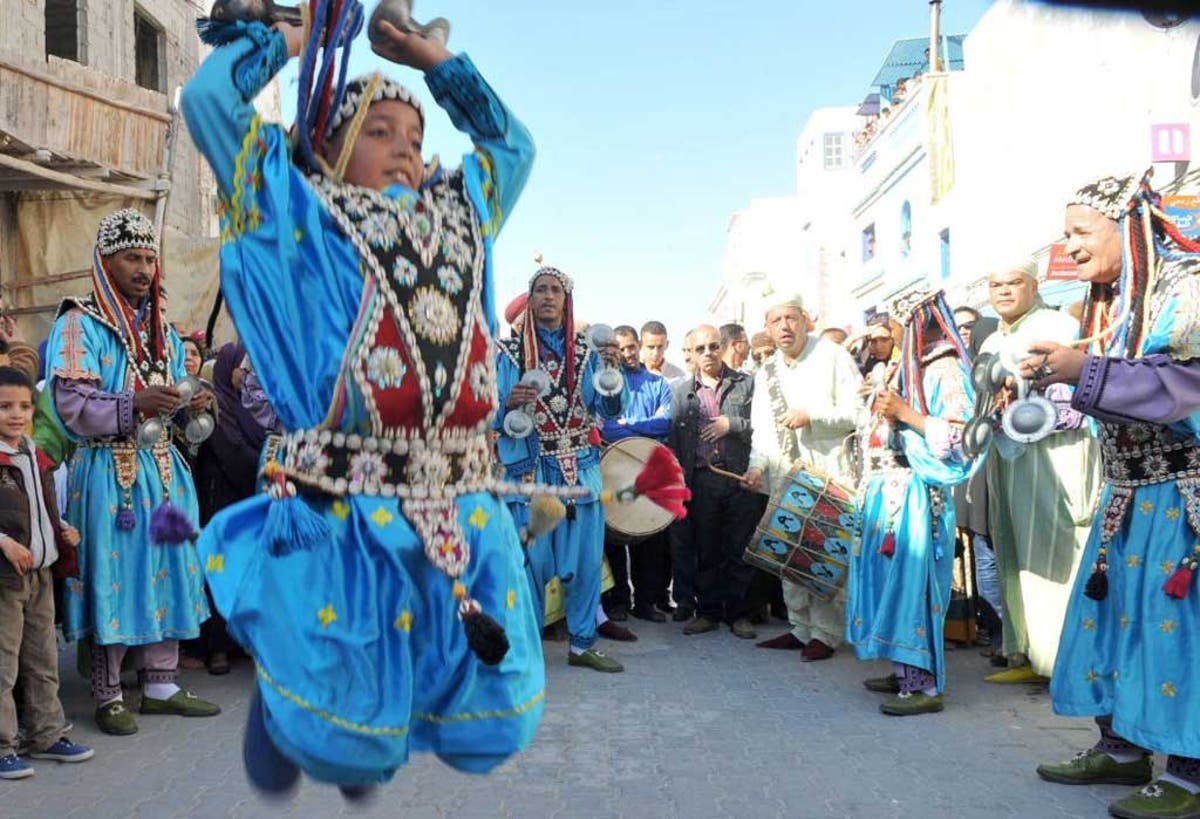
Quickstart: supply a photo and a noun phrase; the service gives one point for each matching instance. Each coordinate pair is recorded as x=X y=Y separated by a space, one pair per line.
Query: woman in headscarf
x=225 y=471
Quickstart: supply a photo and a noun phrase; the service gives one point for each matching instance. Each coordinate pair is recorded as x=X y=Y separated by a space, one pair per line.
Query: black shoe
x=665 y=606
x=648 y=613
x=683 y=614
x=611 y=631
x=555 y=632
x=618 y=612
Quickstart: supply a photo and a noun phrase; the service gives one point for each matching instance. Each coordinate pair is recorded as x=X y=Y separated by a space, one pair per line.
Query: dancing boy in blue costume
x=1130 y=649
x=113 y=362
x=562 y=451
x=380 y=583
x=900 y=572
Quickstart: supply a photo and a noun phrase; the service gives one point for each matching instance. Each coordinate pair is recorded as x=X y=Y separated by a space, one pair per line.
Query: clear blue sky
x=654 y=121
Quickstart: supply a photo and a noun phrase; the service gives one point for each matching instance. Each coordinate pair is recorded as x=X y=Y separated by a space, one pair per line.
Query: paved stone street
x=697 y=727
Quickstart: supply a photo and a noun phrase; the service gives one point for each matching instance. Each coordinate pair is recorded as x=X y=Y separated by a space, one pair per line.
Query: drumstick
x=724 y=472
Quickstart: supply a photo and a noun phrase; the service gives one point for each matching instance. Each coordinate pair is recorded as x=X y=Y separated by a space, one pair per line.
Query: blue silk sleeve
x=517 y=454
x=290 y=279
x=950 y=399
x=504 y=149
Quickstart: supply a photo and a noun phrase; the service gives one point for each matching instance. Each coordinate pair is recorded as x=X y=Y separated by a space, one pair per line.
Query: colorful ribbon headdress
x=1147 y=234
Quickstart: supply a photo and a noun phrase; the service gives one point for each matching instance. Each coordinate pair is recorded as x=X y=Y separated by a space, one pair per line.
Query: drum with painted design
x=807 y=532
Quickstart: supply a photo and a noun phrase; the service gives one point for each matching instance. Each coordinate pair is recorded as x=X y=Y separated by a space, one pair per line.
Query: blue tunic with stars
x=369 y=318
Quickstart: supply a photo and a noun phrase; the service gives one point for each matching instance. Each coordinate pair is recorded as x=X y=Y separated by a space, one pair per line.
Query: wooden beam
x=69 y=276
x=162 y=116
x=67 y=180
x=30 y=311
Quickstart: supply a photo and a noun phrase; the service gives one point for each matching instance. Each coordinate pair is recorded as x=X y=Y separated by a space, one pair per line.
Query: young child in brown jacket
x=32 y=540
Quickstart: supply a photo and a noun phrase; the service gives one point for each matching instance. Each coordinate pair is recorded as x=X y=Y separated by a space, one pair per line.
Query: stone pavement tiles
x=704 y=726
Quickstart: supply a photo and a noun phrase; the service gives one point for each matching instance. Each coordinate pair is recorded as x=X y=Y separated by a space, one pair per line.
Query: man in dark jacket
x=710 y=427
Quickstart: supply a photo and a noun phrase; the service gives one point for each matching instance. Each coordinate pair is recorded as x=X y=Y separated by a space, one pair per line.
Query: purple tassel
x=169 y=525
x=126 y=521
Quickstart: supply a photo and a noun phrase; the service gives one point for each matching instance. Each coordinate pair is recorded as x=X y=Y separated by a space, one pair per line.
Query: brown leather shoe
x=610 y=630
x=814 y=651
x=784 y=642
x=683 y=614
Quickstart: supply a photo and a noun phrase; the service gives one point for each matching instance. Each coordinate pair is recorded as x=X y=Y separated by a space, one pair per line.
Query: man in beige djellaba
x=1042 y=494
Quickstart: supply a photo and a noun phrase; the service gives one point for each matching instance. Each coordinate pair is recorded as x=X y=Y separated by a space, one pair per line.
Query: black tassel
x=571 y=510
x=1097 y=585
x=486 y=638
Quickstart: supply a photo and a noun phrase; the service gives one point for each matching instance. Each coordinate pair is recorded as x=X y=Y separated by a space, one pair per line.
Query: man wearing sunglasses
x=710 y=430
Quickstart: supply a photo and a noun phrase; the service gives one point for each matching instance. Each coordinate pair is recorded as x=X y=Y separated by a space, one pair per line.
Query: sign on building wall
x=1171 y=142
x=1184 y=211
x=1061 y=266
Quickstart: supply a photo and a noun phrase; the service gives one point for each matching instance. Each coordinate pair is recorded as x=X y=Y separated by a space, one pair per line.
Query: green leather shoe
x=114 y=718
x=1016 y=676
x=701 y=625
x=1092 y=767
x=883 y=685
x=907 y=705
x=595 y=660
x=181 y=704
x=1158 y=800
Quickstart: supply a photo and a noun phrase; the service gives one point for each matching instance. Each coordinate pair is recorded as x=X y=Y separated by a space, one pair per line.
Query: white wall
x=824 y=195
x=1050 y=100
x=762 y=253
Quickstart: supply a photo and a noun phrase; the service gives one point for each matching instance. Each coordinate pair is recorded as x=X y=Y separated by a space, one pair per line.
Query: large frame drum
x=630 y=522
x=808 y=532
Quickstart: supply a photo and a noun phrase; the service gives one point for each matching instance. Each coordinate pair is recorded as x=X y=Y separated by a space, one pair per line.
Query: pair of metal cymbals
x=396 y=12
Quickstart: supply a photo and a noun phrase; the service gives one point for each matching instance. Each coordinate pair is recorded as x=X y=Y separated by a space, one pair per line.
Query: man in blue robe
x=561 y=451
x=114 y=362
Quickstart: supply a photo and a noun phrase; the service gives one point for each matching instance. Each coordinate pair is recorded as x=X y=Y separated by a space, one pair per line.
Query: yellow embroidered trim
x=304 y=704
x=495 y=216
x=515 y=711
x=238 y=213
x=355 y=125
x=340 y=722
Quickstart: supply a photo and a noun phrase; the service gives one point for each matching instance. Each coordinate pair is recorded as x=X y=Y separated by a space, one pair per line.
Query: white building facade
x=1037 y=101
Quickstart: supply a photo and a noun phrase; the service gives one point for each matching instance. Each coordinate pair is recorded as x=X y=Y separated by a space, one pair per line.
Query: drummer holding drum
x=806 y=398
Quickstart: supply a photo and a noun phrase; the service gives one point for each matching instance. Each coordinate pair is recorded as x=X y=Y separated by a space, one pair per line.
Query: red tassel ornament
x=660 y=481
x=672 y=498
x=888 y=547
x=661 y=469
x=1178 y=584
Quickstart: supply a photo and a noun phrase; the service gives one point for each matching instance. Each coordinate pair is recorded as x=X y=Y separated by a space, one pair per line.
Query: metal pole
x=935 y=33
x=163 y=184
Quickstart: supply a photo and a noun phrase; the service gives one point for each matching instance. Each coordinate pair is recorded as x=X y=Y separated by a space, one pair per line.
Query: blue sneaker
x=65 y=751
x=13 y=767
